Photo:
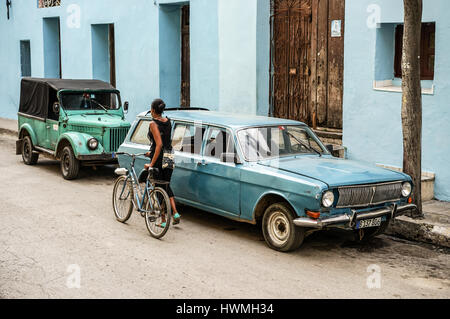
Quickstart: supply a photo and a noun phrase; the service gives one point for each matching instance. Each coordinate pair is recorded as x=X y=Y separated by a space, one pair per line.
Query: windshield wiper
x=303 y=144
x=102 y=106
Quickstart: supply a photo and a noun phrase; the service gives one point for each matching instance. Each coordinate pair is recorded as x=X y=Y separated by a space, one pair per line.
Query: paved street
x=51 y=228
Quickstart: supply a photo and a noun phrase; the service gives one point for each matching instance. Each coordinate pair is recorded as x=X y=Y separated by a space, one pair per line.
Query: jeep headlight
x=328 y=199
x=406 y=189
x=92 y=144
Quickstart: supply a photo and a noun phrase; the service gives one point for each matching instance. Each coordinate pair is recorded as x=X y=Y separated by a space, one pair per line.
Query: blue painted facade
x=229 y=54
x=229 y=63
x=372 y=118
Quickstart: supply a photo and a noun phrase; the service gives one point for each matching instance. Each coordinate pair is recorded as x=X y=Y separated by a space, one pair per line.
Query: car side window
x=219 y=141
x=140 y=133
x=188 y=138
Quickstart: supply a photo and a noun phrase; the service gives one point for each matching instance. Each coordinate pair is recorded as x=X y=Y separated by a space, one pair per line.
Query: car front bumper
x=349 y=221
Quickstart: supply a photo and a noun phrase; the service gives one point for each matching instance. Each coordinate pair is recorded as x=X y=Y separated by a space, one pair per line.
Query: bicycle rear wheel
x=122 y=199
x=162 y=213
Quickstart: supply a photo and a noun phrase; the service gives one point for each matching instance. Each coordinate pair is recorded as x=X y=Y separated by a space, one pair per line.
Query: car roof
x=69 y=84
x=231 y=120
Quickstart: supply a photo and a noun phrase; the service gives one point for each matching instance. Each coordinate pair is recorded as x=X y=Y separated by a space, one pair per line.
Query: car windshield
x=277 y=141
x=90 y=101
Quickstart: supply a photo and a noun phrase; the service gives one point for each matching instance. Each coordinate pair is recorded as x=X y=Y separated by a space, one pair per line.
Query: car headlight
x=328 y=199
x=406 y=189
x=92 y=144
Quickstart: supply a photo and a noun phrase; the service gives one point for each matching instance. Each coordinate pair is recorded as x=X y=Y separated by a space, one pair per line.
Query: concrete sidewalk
x=433 y=229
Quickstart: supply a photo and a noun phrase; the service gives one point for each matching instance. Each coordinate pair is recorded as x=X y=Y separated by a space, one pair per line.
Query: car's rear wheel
x=28 y=157
x=367 y=234
x=279 y=229
x=70 y=166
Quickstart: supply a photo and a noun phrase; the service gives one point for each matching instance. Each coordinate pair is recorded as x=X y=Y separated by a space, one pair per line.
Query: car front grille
x=116 y=138
x=367 y=195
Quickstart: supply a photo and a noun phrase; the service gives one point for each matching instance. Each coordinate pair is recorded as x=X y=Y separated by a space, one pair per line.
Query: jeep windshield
x=87 y=101
x=279 y=141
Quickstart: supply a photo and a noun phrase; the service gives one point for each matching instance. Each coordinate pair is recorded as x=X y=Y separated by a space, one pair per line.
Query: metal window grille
x=49 y=3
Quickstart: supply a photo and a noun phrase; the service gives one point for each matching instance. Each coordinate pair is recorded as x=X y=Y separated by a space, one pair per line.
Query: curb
x=8 y=131
x=420 y=230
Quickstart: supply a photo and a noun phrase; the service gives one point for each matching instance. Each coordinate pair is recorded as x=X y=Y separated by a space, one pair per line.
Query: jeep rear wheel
x=70 y=166
x=28 y=157
x=279 y=229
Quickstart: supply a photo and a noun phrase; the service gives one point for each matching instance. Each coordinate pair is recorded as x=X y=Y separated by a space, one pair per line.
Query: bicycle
x=129 y=195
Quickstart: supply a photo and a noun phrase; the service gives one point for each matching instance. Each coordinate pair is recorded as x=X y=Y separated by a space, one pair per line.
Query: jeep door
x=52 y=128
x=218 y=182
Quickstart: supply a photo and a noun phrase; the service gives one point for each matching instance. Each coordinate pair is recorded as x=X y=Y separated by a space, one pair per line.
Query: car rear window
x=141 y=132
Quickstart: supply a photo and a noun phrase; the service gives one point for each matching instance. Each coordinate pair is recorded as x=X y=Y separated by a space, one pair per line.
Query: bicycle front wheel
x=122 y=199
x=159 y=213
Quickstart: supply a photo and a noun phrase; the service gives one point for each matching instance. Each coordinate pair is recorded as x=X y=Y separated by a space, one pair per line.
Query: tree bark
x=412 y=98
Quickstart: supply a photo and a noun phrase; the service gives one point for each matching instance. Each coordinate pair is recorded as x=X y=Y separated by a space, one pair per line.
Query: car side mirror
x=230 y=158
x=56 y=107
x=126 y=105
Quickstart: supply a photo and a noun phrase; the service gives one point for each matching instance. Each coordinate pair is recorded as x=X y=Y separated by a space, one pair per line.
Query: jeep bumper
x=105 y=157
x=350 y=220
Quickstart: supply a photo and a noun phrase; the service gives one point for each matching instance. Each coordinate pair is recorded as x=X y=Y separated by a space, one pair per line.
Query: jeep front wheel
x=28 y=157
x=70 y=166
x=279 y=229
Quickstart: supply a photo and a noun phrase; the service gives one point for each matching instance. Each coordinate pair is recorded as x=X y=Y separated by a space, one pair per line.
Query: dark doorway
x=307 y=61
x=185 y=100
x=112 y=55
x=103 y=53
x=52 y=48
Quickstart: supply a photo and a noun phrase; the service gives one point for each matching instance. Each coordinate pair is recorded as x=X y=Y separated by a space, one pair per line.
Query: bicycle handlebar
x=125 y=153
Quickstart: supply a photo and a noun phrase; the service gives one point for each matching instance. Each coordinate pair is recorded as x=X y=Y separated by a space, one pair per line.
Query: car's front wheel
x=70 y=166
x=279 y=229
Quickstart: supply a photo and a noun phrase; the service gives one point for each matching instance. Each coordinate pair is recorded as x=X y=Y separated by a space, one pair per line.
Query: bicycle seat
x=152 y=174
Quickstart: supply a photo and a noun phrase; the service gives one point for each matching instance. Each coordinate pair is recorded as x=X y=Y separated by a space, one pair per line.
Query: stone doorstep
x=427 y=182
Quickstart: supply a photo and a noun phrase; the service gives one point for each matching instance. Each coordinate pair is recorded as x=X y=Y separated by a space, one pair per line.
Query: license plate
x=366 y=223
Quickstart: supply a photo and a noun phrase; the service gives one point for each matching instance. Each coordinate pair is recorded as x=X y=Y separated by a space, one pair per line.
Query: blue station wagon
x=273 y=172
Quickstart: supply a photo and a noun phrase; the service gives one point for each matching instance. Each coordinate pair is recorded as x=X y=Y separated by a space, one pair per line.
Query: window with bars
x=48 y=3
x=427 y=57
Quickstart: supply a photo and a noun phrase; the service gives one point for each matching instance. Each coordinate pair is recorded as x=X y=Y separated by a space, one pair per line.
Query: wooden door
x=185 y=59
x=307 y=61
x=290 y=59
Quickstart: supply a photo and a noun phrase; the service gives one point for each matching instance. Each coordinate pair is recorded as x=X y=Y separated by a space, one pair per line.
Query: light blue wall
x=204 y=54
x=229 y=50
x=372 y=119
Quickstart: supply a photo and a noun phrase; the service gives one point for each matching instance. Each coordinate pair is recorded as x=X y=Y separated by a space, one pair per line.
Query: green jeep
x=79 y=122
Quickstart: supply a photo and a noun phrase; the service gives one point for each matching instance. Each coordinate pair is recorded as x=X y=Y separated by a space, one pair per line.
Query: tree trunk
x=412 y=98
